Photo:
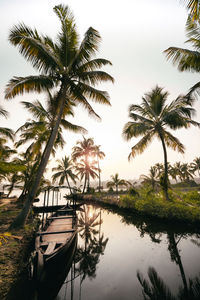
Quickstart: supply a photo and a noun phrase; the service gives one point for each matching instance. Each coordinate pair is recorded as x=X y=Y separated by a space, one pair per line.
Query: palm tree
x=186 y=172
x=85 y=149
x=14 y=180
x=64 y=64
x=195 y=165
x=152 y=179
x=100 y=155
x=116 y=182
x=186 y=59
x=150 y=120
x=40 y=130
x=86 y=170
x=64 y=172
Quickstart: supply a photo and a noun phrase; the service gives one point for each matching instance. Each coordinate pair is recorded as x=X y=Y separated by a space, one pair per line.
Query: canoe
x=52 y=243
x=54 y=277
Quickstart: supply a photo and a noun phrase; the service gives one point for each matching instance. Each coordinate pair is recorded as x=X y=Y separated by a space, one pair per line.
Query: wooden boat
x=55 y=276
x=54 y=240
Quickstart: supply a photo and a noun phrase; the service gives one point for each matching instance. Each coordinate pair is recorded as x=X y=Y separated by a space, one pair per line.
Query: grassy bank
x=183 y=206
x=15 y=247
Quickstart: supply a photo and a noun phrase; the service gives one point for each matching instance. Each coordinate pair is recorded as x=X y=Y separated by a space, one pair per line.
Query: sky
x=134 y=36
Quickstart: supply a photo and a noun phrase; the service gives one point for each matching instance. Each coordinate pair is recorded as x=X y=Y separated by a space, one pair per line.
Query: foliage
x=185 y=208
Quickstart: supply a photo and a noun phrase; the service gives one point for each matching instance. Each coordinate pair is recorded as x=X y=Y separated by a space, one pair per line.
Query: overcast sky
x=134 y=36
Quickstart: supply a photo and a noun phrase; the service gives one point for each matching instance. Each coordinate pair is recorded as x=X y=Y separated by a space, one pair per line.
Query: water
x=112 y=249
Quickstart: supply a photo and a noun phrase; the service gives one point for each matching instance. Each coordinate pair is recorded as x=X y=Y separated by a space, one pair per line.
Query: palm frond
x=34 y=48
x=173 y=142
x=72 y=127
x=135 y=129
x=93 y=64
x=141 y=145
x=185 y=59
x=20 y=85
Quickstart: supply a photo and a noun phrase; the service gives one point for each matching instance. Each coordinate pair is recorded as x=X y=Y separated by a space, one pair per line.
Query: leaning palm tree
x=116 y=182
x=38 y=132
x=187 y=59
x=64 y=172
x=151 y=119
x=65 y=65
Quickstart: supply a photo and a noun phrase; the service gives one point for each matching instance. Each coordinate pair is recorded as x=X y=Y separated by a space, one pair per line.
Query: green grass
x=182 y=206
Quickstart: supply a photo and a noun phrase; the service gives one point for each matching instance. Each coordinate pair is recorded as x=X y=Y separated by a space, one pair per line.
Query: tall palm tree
x=187 y=59
x=151 y=119
x=66 y=65
x=99 y=155
x=116 y=182
x=64 y=172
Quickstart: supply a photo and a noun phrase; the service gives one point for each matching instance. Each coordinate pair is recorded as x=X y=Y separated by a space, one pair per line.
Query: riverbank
x=15 y=247
x=183 y=208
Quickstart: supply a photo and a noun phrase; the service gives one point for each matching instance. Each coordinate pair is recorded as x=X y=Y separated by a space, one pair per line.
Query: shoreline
x=113 y=201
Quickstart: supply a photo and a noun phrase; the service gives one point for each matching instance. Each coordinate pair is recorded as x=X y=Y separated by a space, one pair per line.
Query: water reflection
x=113 y=245
x=91 y=246
x=157 y=289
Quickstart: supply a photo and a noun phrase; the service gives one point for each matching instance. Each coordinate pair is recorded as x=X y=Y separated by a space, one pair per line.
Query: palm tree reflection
x=94 y=243
x=156 y=289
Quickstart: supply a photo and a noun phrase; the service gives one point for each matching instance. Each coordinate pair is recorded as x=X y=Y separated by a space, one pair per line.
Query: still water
x=114 y=251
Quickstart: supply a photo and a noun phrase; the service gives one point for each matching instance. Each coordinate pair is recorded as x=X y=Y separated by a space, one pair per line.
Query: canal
x=123 y=256
x=116 y=252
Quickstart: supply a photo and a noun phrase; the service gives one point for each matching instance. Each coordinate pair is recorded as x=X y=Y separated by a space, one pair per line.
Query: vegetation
x=186 y=59
x=151 y=119
x=116 y=182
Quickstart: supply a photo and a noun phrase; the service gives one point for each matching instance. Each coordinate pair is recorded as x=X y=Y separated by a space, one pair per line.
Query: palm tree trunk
x=179 y=262
x=99 y=176
x=88 y=182
x=85 y=183
x=165 y=183
x=21 y=218
x=68 y=185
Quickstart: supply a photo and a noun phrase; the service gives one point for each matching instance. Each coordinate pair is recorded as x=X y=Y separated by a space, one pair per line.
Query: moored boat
x=53 y=241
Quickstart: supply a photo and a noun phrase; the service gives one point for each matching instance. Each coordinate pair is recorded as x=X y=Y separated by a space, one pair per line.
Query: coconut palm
x=64 y=172
x=39 y=131
x=86 y=170
x=86 y=150
x=186 y=172
x=151 y=119
x=64 y=64
x=99 y=155
x=116 y=182
x=152 y=179
x=187 y=59
x=195 y=165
